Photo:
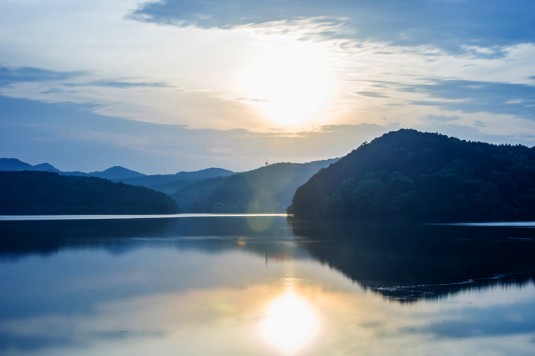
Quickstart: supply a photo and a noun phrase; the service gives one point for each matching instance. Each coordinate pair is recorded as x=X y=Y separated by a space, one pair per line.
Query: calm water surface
x=264 y=286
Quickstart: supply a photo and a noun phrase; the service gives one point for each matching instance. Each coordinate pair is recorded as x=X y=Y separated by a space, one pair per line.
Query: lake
x=263 y=285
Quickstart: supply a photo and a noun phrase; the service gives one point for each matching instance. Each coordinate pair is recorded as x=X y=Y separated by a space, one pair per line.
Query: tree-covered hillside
x=166 y=182
x=31 y=192
x=264 y=190
x=423 y=176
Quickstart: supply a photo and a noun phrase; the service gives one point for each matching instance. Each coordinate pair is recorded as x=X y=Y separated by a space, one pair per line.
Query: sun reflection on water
x=290 y=322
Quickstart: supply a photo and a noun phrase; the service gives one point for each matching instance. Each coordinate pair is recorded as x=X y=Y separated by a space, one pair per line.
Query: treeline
x=411 y=175
x=30 y=192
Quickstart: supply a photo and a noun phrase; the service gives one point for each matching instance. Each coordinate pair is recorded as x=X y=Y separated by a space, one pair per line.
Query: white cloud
x=201 y=66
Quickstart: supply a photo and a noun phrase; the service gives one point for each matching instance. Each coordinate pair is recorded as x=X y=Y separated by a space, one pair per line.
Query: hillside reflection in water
x=264 y=286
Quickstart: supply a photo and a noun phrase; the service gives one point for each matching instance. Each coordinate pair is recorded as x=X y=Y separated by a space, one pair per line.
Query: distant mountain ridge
x=113 y=173
x=13 y=164
x=118 y=173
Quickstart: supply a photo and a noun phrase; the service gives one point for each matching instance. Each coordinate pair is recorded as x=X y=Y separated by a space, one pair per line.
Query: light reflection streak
x=291 y=322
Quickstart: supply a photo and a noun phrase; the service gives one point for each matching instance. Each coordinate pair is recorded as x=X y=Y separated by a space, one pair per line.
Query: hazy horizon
x=173 y=85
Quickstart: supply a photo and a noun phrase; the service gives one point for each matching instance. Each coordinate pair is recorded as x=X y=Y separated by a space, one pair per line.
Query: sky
x=181 y=85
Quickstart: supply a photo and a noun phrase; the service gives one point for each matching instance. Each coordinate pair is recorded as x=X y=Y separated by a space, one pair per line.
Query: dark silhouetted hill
x=30 y=193
x=412 y=175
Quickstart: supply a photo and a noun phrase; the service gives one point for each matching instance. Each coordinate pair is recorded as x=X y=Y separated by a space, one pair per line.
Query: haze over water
x=263 y=285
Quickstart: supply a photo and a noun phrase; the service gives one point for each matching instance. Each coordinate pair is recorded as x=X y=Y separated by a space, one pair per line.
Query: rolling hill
x=29 y=193
x=267 y=189
x=411 y=175
x=166 y=182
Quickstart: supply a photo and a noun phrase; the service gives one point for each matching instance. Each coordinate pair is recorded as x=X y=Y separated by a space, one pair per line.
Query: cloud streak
x=446 y=24
x=478 y=96
x=12 y=75
x=120 y=84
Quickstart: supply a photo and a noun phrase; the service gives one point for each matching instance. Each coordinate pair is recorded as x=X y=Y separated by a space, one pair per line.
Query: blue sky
x=164 y=86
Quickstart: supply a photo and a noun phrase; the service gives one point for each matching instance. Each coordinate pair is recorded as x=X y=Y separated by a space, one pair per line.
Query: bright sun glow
x=290 y=84
x=290 y=323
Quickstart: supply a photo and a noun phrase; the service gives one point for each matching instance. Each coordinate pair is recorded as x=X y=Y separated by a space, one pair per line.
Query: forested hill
x=412 y=175
x=30 y=192
x=264 y=190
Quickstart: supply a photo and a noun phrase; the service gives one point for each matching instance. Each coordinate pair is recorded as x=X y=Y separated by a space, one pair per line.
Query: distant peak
x=118 y=168
x=47 y=167
x=117 y=172
x=13 y=164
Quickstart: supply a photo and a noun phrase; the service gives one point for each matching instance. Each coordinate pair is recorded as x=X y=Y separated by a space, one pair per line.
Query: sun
x=289 y=84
